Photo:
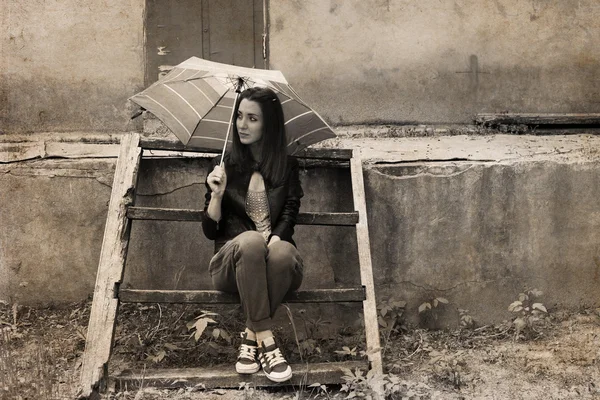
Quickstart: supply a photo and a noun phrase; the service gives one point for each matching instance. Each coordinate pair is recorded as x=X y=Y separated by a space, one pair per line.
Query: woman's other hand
x=217 y=180
x=274 y=239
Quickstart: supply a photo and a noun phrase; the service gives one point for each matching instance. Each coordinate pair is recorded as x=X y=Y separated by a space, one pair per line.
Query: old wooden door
x=227 y=31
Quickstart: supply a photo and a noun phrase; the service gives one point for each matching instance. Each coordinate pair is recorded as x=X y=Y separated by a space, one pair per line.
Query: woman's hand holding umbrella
x=217 y=181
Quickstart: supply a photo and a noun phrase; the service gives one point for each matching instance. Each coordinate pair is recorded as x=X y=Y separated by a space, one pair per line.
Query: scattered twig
x=481 y=328
x=180 y=316
x=418 y=348
x=15 y=311
x=291 y=317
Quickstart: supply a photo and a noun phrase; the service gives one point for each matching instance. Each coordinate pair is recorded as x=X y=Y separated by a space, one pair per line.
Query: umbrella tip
x=240 y=84
x=138 y=113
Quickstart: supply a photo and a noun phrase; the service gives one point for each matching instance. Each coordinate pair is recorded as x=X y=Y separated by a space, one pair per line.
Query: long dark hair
x=274 y=144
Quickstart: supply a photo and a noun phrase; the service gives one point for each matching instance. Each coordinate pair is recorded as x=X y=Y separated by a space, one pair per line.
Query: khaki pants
x=261 y=275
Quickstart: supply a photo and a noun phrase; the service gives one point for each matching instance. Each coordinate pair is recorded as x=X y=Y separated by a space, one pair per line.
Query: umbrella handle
x=237 y=95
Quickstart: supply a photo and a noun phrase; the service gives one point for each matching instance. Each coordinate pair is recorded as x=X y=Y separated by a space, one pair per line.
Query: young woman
x=250 y=212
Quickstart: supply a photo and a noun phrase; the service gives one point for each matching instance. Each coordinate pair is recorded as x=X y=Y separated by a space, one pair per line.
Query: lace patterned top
x=257 y=208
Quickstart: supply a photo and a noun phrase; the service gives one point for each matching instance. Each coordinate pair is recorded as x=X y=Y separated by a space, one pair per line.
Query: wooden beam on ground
x=366 y=271
x=226 y=377
x=110 y=269
x=217 y=297
x=326 y=154
x=176 y=145
x=537 y=119
x=174 y=214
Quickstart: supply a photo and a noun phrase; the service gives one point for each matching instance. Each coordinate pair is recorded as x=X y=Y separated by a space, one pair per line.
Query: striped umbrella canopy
x=195 y=101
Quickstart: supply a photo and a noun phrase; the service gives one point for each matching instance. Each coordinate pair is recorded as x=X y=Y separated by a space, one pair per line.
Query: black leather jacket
x=284 y=204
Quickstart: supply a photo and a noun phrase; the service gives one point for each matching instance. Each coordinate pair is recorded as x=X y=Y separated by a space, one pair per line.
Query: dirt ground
x=41 y=350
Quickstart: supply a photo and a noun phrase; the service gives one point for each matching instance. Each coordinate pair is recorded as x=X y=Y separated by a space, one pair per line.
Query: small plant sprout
x=309 y=347
x=428 y=305
x=321 y=391
x=390 y=316
x=466 y=321
x=447 y=367
x=158 y=357
x=248 y=389
x=198 y=325
x=347 y=351
x=530 y=313
x=390 y=312
x=430 y=310
x=221 y=333
x=359 y=385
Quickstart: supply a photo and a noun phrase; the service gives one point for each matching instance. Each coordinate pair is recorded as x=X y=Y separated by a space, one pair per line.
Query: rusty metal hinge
x=264 y=46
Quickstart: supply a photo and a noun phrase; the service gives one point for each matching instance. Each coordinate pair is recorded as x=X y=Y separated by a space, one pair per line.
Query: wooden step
x=224 y=376
x=178 y=214
x=356 y=294
x=176 y=145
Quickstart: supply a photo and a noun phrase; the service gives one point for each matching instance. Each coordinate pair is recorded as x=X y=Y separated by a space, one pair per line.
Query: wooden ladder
x=107 y=293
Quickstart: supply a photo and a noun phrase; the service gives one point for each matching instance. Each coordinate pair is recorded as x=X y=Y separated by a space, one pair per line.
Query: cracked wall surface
x=474 y=233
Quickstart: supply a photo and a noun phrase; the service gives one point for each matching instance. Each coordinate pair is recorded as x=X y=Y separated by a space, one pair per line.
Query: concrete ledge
x=419 y=143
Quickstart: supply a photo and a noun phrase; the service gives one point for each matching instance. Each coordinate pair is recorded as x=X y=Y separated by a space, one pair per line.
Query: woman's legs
x=284 y=272
x=261 y=275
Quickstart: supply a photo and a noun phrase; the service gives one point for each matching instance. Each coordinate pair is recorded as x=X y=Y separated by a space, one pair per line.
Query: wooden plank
x=110 y=268
x=12 y=152
x=217 y=297
x=366 y=270
x=81 y=150
x=164 y=214
x=328 y=218
x=176 y=145
x=538 y=119
x=175 y=214
x=224 y=376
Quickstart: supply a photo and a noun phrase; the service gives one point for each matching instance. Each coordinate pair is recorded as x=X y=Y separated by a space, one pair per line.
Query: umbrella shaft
x=237 y=95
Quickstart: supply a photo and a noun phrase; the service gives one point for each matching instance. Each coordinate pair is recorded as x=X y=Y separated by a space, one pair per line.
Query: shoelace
x=248 y=352
x=274 y=357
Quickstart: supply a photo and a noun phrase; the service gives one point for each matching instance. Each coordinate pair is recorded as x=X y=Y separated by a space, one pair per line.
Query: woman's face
x=249 y=122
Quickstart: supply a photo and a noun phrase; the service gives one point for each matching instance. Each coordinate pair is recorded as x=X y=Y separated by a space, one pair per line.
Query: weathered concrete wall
x=438 y=61
x=478 y=234
x=69 y=65
x=520 y=210
x=52 y=218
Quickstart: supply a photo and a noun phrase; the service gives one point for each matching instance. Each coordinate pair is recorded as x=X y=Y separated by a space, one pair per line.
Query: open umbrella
x=195 y=101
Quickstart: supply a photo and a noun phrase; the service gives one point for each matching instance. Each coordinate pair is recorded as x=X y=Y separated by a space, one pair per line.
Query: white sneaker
x=246 y=361
x=272 y=361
